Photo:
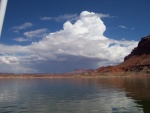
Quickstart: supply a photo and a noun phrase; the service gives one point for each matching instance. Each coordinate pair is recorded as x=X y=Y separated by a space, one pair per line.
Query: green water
x=103 y=95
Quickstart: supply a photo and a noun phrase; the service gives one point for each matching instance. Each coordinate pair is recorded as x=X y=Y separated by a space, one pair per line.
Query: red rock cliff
x=137 y=61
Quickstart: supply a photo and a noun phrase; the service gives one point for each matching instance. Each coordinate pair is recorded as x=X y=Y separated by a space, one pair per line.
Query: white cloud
x=104 y=15
x=8 y=60
x=23 y=26
x=46 y=18
x=123 y=27
x=71 y=17
x=36 y=33
x=78 y=45
x=29 y=35
x=21 y=39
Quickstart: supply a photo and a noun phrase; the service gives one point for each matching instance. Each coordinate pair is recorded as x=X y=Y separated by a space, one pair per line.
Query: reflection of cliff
x=145 y=105
x=137 y=88
x=137 y=61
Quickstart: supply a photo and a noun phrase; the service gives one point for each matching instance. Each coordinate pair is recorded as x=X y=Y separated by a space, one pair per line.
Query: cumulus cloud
x=21 y=27
x=81 y=44
x=8 y=59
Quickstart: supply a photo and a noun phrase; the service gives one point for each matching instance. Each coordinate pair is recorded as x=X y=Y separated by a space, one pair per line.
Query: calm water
x=104 y=95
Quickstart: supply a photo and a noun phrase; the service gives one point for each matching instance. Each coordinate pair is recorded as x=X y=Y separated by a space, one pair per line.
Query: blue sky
x=38 y=25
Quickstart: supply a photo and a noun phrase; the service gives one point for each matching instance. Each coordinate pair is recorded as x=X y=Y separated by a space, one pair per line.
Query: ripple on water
x=115 y=95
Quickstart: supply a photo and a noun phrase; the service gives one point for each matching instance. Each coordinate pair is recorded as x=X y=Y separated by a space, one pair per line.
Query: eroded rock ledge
x=137 y=61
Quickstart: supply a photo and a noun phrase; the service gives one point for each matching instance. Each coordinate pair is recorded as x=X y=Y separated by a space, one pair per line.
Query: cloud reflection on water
x=103 y=95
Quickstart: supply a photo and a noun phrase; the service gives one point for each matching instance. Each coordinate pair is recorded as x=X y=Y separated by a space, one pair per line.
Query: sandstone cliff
x=137 y=61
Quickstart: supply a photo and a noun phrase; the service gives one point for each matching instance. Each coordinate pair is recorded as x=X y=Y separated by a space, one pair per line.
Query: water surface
x=103 y=95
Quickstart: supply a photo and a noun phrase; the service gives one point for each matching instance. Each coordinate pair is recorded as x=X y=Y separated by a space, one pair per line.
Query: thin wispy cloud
x=22 y=27
x=21 y=39
x=61 y=18
x=123 y=27
x=132 y=28
x=29 y=35
x=70 y=17
x=104 y=15
x=36 y=33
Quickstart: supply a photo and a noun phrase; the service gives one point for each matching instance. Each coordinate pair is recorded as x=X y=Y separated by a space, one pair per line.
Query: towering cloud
x=81 y=44
x=3 y=4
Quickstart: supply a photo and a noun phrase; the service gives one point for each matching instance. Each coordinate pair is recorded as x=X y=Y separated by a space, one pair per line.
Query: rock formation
x=143 y=48
x=137 y=61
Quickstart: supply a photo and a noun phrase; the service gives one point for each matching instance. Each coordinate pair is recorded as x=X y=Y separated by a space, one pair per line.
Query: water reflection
x=135 y=88
x=104 y=95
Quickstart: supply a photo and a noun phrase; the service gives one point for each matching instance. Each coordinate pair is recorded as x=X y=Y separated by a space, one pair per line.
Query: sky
x=55 y=36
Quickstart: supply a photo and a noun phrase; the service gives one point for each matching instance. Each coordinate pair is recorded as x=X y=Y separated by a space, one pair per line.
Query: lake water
x=102 y=95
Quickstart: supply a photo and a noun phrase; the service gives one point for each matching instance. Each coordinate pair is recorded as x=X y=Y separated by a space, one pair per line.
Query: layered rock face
x=143 y=48
x=137 y=61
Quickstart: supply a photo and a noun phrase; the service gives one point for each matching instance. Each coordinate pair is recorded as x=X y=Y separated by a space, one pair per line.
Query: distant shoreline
x=72 y=75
